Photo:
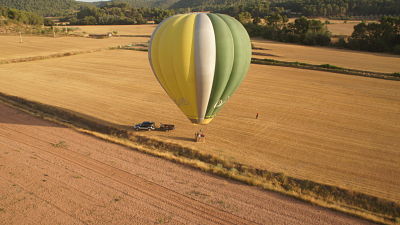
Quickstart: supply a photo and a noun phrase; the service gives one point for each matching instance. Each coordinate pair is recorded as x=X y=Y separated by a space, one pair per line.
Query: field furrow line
x=26 y=189
x=149 y=188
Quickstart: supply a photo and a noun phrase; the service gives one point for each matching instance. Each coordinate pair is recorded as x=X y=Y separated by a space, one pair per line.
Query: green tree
x=244 y=17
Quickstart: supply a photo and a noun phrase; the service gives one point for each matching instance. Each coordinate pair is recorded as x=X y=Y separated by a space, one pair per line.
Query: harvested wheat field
x=344 y=27
x=53 y=175
x=145 y=29
x=11 y=48
x=375 y=62
x=331 y=128
x=341 y=28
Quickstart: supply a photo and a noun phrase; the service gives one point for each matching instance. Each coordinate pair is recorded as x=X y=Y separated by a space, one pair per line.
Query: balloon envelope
x=200 y=59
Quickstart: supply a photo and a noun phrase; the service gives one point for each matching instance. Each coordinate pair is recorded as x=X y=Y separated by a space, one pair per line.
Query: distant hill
x=207 y=3
x=149 y=3
x=199 y=3
x=295 y=8
x=42 y=7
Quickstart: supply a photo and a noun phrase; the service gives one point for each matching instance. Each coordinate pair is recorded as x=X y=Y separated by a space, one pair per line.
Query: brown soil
x=54 y=175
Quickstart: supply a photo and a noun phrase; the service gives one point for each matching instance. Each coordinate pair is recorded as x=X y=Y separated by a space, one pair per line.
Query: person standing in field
x=256 y=115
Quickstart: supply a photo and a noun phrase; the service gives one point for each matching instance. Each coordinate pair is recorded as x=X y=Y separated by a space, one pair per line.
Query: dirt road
x=54 y=175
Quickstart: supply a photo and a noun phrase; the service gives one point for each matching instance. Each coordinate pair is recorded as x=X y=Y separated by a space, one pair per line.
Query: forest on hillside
x=295 y=8
x=9 y=15
x=43 y=7
x=258 y=8
x=381 y=36
x=116 y=13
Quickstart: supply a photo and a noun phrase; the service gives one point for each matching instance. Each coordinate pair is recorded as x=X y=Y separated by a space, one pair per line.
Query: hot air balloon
x=200 y=59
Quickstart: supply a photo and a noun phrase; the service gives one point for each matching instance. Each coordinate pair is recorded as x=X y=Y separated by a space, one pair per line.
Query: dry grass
x=342 y=27
x=339 y=27
x=329 y=128
x=121 y=29
x=33 y=46
x=376 y=62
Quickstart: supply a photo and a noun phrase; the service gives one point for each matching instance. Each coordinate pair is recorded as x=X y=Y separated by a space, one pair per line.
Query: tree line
x=297 y=8
x=43 y=7
x=381 y=36
x=8 y=15
x=256 y=15
x=276 y=27
x=113 y=13
x=340 y=8
x=378 y=37
x=257 y=8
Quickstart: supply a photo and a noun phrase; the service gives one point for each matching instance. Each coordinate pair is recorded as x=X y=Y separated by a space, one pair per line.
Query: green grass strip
x=327 y=68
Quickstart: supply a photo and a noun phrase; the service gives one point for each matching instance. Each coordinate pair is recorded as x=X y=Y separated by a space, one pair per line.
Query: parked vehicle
x=166 y=127
x=147 y=125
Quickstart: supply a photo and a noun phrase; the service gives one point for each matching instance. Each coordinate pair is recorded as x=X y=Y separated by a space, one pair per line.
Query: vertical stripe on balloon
x=205 y=57
x=242 y=58
x=224 y=61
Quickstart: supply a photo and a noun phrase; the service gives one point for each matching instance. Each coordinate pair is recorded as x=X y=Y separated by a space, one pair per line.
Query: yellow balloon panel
x=174 y=53
x=155 y=59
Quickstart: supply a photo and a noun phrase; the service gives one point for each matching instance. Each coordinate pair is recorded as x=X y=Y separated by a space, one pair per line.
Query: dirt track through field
x=53 y=175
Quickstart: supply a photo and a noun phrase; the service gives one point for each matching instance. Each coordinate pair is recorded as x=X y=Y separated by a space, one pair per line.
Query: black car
x=166 y=127
x=145 y=126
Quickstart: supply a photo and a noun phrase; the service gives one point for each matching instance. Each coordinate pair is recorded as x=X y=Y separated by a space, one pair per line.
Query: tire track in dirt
x=85 y=200
x=161 y=193
x=23 y=187
x=271 y=211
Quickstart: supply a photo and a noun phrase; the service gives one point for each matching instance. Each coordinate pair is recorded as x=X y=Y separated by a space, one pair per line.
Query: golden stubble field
x=12 y=48
x=339 y=27
x=376 y=62
x=331 y=128
x=145 y=29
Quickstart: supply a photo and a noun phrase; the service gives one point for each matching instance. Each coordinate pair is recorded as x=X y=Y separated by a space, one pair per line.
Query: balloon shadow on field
x=10 y=115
